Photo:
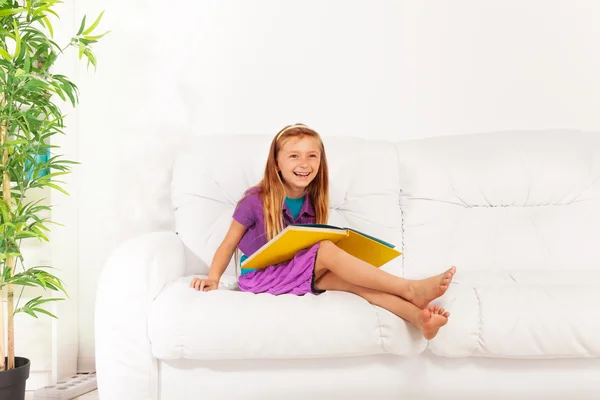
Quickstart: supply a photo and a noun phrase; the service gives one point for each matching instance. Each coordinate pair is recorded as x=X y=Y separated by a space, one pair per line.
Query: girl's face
x=298 y=160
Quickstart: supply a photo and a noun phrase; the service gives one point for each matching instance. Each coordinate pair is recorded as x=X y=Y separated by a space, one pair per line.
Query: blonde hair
x=272 y=188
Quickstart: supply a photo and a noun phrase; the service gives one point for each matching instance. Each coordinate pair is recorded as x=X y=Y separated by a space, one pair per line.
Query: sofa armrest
x=133 y=276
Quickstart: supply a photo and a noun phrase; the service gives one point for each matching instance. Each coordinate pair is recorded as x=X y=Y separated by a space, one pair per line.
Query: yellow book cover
x=294 y=238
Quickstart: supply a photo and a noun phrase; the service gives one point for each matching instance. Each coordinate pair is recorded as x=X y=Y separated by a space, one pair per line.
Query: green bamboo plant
x=29 y=118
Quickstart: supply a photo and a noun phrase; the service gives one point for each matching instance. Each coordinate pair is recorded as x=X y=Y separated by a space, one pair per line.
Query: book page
x=290 y=241
x=368 y=250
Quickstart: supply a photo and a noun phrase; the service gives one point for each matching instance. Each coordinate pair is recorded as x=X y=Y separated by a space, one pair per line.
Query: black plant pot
x=12 y=382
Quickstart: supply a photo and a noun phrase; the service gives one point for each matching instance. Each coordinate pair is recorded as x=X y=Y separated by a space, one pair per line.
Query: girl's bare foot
x=431 y=320
x=429 y=289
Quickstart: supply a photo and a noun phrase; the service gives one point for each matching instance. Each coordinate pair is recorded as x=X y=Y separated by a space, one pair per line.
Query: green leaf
x=96 y=38
x=27 y=310
x=94 y=25
x=67 y=89
x=33 y=302
x=27 y=63
x=49 y=26
x=40 y=19
x=36 y=277
x=91 y=58
x=6 y=273
x=43 y=49
x=48 y=299
x=41 y=279
x=44 y=227
x=60 y=287
x=53 y=186
x=18 y=282
x=4 y=256
x=17 y=39
x=85 y=41
x=82 y=27
x=40 y=302
x=11 y=11
x=56 y=89
x=53 y=174
x=46 y=7
x=5 y=54
x=4 y=210
x=81 y=49
x=25 y=235
x=49 y=61
x=48 y=313
x=40 y=234
x=53 y=12
x=15 y=142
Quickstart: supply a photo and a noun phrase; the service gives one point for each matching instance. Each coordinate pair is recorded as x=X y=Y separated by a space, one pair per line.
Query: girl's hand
x=206 y=285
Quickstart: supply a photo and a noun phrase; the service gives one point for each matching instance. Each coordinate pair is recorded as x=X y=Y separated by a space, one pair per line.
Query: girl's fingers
x=203 y=284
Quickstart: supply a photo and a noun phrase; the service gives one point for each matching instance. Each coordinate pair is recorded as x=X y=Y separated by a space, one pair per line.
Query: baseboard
x=38 y=379
x=86 y=364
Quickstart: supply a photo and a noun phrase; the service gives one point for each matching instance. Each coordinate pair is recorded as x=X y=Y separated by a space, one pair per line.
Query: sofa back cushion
x=211 y=173
x=501 y=201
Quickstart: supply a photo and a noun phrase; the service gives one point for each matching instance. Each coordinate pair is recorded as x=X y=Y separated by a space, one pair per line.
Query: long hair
x=272 y=188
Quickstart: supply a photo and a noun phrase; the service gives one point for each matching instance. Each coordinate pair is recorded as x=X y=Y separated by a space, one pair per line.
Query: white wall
x=384 y=69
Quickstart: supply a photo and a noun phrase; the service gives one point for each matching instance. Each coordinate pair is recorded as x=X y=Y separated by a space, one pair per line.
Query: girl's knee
x=326 y=246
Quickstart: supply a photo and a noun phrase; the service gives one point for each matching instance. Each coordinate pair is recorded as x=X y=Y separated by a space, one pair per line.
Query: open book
x=294 y=238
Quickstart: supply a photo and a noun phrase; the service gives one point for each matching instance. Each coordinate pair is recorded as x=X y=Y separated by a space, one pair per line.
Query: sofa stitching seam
x=402 y=240
x=401 y=210
x=478 y=341
x=379 y=328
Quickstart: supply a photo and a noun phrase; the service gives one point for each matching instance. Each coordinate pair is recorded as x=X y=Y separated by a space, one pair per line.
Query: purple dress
x=295 y=276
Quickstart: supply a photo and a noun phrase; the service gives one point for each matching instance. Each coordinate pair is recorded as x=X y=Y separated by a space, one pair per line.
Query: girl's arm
x=225 y=251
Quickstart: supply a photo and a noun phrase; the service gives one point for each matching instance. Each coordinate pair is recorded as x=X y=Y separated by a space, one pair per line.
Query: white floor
x=88 y=396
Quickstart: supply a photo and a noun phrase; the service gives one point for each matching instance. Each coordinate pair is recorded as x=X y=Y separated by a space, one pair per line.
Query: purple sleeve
x=244 y=212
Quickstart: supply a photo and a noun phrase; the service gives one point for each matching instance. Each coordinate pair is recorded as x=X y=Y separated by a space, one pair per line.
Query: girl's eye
x=313 y=155
x=293 y=156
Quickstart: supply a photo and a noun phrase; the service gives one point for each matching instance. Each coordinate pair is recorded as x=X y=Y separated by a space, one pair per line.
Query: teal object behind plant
x=39 y=160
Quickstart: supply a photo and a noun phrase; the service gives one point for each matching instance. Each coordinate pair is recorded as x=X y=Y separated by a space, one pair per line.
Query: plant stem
x=2 y=342
x=10 y=261
x=5 y=195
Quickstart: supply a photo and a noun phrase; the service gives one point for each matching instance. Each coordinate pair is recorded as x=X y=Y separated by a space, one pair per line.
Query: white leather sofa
x=517 y=212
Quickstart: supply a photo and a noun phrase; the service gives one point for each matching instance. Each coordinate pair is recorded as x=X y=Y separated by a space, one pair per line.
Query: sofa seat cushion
x=225 y=324
x=521 y=314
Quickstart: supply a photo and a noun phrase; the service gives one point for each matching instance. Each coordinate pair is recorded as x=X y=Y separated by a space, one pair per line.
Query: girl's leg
x=428 y=321
x=355 y=271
